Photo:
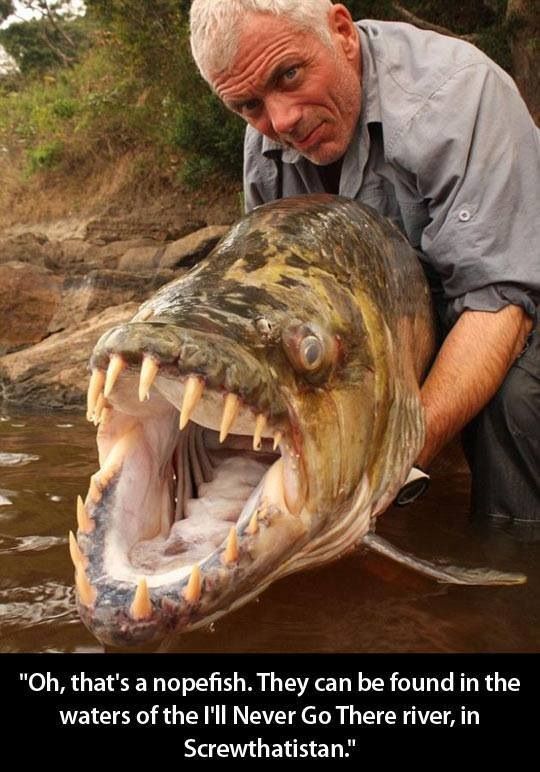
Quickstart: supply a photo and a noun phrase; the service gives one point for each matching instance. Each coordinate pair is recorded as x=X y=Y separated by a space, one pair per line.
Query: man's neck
x=330 y=175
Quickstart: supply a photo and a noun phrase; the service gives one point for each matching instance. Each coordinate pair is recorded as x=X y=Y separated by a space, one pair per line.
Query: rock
x=74 y=251
x=141 y=259
x=54 y=373
x=191 y=249
x=29 y=300
x=104 y=230
x=86 y=295
x=34 y=248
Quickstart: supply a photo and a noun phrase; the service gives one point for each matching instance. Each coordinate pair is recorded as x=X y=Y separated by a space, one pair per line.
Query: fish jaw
x=212 y=388
x=166 y=541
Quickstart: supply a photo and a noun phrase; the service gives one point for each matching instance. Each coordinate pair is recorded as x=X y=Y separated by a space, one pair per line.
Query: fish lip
x=109 y=618
x=222 y=363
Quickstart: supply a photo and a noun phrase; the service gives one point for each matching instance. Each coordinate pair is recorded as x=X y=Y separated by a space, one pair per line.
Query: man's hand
x=468 y=370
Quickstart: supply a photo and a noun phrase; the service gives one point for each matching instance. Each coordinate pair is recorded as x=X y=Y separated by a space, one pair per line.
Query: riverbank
x=72 y=266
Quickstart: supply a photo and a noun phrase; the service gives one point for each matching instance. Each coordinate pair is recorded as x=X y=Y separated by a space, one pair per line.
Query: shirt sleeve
x=476 y=154
x=260 y=172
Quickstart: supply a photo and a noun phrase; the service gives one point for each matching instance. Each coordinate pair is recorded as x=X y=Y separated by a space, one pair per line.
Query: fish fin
x=442 y=572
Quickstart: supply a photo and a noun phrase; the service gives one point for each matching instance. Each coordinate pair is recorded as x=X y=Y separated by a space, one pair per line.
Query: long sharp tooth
x=294 y=484
x=192 y=591
x=278 y=436
x=75 y=551
x=94 y=490
x=253 y=525
x=95 y=387
x=231 y=550
x=87 y=593
x=149 y=370
x=84 y=522
x=260 y=425
x=192 y=394
x=141 y=608
x=230 y=413
x=116 y=365
x=100 y=404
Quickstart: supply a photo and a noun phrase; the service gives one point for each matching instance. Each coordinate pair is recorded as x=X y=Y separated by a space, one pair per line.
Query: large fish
x=255 y=417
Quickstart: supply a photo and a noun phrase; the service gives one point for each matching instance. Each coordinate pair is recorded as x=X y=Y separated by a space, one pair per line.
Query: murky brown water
x=360 y=604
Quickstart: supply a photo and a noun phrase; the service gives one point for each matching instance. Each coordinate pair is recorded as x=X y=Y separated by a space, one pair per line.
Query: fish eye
x=311 y=352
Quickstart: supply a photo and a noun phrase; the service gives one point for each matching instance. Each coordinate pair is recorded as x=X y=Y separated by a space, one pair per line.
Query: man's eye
x=291 y=74
x=250 y=106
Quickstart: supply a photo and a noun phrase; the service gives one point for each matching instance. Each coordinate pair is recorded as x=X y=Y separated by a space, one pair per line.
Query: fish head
x=242 y=417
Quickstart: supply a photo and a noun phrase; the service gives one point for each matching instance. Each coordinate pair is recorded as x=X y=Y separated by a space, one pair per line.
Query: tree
x=50 y=39
x=6 y=9
x=523 y=21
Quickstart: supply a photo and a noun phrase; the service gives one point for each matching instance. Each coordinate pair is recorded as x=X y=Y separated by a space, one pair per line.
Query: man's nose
x=283 y=113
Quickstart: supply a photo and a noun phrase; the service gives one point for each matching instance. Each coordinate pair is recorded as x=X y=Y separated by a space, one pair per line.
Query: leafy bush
x=44 y=156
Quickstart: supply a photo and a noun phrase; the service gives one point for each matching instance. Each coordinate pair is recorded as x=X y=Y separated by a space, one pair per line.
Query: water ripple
x=16 y=459
x=30 y=606
x=10 y=544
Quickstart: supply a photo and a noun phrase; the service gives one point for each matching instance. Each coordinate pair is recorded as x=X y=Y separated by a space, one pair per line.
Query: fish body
x=255 y=417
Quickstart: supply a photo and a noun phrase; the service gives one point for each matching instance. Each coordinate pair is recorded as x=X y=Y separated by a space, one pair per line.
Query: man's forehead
x=263 y=41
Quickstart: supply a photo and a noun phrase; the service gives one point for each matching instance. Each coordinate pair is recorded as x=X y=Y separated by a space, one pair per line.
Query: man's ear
x=343 y=30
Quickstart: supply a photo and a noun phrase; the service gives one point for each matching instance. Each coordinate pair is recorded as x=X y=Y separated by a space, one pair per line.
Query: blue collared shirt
x=446 y=148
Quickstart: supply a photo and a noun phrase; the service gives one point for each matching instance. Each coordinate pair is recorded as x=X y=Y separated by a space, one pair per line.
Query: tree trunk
x=524 y=29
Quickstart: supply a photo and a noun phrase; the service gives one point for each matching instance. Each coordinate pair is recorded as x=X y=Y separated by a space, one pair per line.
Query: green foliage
x=210 y=133
x=64 y=108
x=37 y=47
x=44 y=156
x=153 y=36
x=370 y=9
x=6 y=8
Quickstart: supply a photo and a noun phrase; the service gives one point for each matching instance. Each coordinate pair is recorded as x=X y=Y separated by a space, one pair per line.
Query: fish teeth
x=253 y=525
x=87 y=592
x=231 y=550
x=149 y=370
x=116 y=365
x=192 y=591
x=294 y=482
x=84 y=522
x=192 y=394
x=77 y=557
x=94 y=490
x=95 y=388
x=100 y=404
x=141 y=608
x=230 y=413
x=260 y=425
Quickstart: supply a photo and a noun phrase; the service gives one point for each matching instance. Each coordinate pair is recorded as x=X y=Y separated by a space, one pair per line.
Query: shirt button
x=464 y=215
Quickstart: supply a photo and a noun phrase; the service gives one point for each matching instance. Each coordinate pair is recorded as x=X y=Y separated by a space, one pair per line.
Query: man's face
x=293 y=88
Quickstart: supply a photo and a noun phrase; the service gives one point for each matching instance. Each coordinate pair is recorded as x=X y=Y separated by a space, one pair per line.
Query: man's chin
x=322 y=156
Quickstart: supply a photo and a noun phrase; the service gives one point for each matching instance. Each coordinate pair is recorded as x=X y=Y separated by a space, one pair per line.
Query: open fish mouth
x=255 y=417
x=201 y=484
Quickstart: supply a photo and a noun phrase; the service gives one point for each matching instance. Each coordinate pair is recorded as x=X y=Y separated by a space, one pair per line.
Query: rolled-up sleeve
x=476 y=154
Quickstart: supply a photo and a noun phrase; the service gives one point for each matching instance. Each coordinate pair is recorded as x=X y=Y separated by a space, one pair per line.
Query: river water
x=363 y=603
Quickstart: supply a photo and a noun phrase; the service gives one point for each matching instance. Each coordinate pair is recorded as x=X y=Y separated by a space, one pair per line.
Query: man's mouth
x=307 y=140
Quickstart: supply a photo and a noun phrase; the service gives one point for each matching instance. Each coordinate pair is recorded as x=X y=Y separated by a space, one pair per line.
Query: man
x=432 y=134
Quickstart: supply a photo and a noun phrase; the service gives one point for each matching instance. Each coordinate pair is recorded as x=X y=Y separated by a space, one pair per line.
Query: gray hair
x=216 y=26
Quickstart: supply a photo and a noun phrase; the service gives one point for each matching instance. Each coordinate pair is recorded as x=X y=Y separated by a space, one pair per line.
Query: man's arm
x=468 y=370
